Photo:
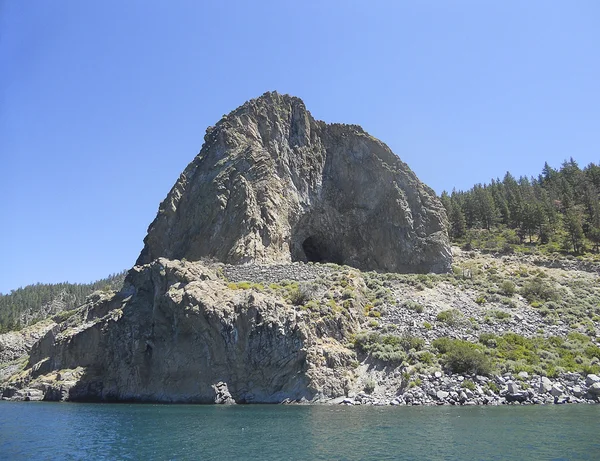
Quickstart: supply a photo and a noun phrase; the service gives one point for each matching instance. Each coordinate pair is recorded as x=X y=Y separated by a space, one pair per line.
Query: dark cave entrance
x=317 y=251
x=312 y=250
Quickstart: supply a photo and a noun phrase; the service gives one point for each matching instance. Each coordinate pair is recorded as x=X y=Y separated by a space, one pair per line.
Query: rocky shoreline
x=441 y=389
x=522 y=389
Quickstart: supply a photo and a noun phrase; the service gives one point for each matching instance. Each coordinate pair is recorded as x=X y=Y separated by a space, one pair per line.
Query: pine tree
x=458 y=226
x=574 y=231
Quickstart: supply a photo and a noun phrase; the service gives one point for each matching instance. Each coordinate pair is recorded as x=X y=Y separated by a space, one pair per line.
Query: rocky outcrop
x=272 y=184
x=176 y=333
x=16 y=344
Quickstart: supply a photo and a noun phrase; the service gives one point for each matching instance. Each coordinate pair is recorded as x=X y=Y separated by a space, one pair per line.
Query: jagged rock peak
x=272 y=184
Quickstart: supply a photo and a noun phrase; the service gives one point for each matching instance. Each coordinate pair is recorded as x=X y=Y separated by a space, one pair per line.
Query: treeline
x=33 y=303
x=560 y=209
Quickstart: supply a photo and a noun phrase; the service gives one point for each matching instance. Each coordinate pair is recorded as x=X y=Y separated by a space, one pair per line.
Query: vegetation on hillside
x=557 y=212
x=32 y=303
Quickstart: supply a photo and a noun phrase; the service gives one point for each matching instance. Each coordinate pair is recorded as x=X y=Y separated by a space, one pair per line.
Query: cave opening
x=312 y=250
x=317 y=251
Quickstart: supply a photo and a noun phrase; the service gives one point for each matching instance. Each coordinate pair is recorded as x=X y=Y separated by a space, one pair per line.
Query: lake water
x=64 y=431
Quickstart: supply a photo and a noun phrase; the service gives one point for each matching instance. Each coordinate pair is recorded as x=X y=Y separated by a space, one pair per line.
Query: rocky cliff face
x=177 y=333
x=272 y=184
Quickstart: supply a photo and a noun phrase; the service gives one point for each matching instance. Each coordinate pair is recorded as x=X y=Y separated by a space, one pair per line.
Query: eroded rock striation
x=176 y=333
x=272 y=184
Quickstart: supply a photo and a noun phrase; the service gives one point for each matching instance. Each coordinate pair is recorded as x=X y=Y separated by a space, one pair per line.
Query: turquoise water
x=38 y=430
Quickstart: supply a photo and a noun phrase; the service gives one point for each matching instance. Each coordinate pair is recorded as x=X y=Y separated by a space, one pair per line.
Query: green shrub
x=538 y=289
x=348 y=294
x=388 y=348
x=300 y=295
x=501 y=315
x=592 y=351
x=369 y=386
x=425 y=357
x=452 y=317
x=488 y=339
x=312 y=306
x=442 y=344
x=245 y=286
x=508 y=288
x=415 y=383
x=463 y=357
x=468 y=384
x=64 y=315
x=492 y=386
x=414 y=306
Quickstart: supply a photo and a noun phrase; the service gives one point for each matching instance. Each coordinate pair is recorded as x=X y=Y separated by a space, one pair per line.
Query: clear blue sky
x=103 y=104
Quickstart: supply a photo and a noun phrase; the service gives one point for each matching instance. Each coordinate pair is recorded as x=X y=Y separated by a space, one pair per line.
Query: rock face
x=272 y=184
x=176 y=333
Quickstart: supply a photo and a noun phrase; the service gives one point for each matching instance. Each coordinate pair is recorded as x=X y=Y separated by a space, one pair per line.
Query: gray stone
x=211 y=335
x=591 y=379
x=557 y=390
x=442 y=395
x=29 y=395
x=518 y=317
x=513 y=388
x=594 y=389
x=222 y=395
x=272 y=184
x=545 y=385
x=523 y=375
x=577 y=391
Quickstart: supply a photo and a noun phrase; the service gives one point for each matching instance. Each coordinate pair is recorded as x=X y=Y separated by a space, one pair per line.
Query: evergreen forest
x=557 y=212
x=32 y=303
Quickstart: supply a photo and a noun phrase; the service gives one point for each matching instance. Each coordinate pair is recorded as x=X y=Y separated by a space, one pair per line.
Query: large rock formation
x=272 y=184
x=178 y=333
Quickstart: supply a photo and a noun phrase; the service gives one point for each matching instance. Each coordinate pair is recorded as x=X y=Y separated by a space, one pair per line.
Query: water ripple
x=49 y=431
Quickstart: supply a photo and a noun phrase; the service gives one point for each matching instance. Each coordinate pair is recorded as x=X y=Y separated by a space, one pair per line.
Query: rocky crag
x=272 y=184
x=177 y=333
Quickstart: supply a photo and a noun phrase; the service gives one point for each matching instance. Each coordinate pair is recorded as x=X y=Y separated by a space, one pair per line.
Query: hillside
x=499 y=328
x=27 y=305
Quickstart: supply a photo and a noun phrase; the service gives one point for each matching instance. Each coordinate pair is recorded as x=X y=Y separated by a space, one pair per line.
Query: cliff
x=178 y=333
x=272 y=184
